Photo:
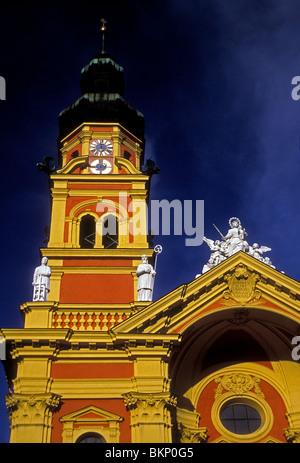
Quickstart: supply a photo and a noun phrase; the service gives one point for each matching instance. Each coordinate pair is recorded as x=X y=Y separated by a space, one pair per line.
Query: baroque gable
x=236 y=286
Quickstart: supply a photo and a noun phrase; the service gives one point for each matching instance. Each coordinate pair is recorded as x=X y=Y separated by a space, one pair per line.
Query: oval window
x=240 y=418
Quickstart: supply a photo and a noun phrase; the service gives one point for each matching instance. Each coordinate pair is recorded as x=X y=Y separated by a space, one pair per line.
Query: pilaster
x=31 y=416
x=292 y=433
x=59 y=199
x=151 y=416
x=188 y=427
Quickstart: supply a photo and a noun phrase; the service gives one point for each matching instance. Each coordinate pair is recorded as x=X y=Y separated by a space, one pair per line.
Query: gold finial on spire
x=103 y=29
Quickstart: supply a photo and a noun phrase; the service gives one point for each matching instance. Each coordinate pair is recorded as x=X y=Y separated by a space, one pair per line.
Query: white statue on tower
x=41 y=281
x=145 y=273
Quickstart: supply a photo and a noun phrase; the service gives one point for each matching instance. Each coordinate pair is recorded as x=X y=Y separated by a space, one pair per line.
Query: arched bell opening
x=110 y=232
x=87 y=232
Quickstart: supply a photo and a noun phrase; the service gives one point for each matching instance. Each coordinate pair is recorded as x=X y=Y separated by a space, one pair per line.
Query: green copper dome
x=102 y=87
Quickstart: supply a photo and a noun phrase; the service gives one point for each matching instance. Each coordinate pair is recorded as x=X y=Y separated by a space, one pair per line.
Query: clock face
x=101 y=147
x=101 y=166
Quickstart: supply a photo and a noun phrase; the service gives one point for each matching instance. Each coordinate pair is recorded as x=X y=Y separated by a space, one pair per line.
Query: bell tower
x=99 y=194
x=66 y=369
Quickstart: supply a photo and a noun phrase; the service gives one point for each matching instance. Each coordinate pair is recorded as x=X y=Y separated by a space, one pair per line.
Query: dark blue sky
x=213 y=80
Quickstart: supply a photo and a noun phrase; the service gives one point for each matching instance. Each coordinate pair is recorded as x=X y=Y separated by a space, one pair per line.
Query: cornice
x=41 y=342
x=109 y=178
x=90 y=125
x=73 y=253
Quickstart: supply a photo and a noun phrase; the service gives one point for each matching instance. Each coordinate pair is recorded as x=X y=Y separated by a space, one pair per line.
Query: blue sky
x=213 y=80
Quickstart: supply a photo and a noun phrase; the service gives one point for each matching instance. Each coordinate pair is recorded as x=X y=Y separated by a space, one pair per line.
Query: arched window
x=91 y=438
x=110 y=232
x=87 y=232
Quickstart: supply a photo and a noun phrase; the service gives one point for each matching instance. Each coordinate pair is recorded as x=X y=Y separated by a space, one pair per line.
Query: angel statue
x=218 y=248
x=257 y=252
x=219 y=253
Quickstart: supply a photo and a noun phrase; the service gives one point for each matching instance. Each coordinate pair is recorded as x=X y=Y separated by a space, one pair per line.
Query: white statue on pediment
x=233 y=242
x=236 y=237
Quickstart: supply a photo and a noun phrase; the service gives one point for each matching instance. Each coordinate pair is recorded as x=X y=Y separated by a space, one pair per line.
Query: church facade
x=98 y=360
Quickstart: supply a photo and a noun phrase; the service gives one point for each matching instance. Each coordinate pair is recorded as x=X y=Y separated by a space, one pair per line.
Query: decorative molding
x=292 y=435
x=192 y=435
x=238 y=384
x=91 y=419
x=32 y=404
x=145 y=400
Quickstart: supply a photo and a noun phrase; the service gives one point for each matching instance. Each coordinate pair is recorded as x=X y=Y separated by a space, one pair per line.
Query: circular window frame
x=252 y=400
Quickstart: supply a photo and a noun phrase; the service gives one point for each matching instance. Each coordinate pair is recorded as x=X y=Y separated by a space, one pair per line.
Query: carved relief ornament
x=145 y=400
x=31 y=407
x=242 y=285
x=238 y=383
x=193 y=436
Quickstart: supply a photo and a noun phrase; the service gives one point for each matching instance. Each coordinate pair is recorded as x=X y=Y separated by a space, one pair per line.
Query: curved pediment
x=81 y=161
x=123 y=163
